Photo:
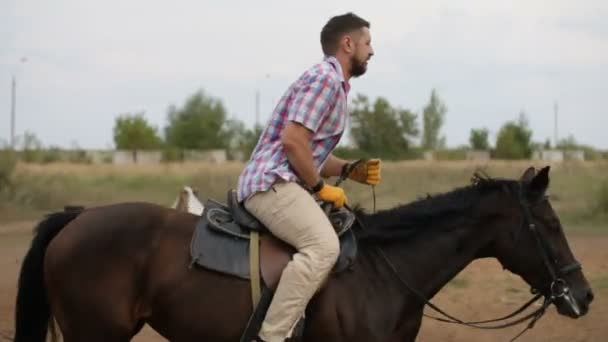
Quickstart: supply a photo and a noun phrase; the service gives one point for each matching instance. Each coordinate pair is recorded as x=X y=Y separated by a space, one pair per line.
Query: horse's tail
x=32 y=311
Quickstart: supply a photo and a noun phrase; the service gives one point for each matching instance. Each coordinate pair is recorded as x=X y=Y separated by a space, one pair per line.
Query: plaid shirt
x=317 y=100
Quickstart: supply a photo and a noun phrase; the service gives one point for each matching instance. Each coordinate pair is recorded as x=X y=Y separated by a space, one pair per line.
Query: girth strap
x=254 y=267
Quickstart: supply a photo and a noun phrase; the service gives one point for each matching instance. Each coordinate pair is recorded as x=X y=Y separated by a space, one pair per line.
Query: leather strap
x=254 y=267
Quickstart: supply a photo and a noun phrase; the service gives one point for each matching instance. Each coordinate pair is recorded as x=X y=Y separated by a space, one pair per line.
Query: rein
x=558 y=287
x=347 y=170
x=535 y=315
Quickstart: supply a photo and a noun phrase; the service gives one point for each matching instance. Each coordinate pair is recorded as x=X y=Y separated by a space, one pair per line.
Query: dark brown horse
x=106 y=271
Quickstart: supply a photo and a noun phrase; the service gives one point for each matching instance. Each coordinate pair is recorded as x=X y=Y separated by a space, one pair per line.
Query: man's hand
x=332 y=194
x=366 y=172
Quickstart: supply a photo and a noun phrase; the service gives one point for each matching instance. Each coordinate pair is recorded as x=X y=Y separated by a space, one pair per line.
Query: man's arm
x=296 y=142
x=333 y=166
x=311 y=104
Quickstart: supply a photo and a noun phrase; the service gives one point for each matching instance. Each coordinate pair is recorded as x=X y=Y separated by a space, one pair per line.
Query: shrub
x=8 y=162
x=601 y=205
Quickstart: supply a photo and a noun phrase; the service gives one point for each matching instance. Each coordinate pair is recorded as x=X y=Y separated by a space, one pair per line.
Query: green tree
x=31 y=147
x=514 y=140
x=479 y=139
x=250 y=140
x=380 y=129
x=568 y=143
x=241 y=139
x=132 y=131
x=200 y=124
x=433 y=116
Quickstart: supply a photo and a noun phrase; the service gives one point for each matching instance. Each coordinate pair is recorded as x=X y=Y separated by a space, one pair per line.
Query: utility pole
x=13 y=105
x=257 y=108
x=555 y=132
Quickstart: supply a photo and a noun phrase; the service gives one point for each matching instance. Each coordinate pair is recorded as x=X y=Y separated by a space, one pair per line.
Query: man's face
x=361 y=53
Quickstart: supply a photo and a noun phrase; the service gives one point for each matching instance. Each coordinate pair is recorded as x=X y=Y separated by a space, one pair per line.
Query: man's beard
x=357 y=68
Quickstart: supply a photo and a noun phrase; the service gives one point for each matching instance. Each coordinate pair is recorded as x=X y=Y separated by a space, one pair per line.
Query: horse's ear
x=528 y=175
x=539 y=184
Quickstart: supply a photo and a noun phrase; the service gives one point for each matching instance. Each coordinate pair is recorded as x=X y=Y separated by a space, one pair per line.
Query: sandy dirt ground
x=483 y=290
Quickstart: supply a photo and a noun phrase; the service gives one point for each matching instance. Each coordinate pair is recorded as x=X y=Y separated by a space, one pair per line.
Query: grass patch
x=8 y=162
x=601 y=205
x=40 y=188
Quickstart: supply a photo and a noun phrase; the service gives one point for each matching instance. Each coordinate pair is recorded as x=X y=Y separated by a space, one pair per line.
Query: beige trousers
x=292 y=215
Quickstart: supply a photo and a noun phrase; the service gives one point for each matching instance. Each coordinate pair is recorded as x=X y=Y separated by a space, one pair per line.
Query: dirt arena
x=482 y=291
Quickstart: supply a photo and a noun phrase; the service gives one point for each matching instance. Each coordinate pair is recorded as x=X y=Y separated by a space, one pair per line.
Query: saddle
x=226 y=234
x=229 y=240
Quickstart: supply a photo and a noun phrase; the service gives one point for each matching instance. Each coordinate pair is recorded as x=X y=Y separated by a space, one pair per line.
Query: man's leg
x=293 y=216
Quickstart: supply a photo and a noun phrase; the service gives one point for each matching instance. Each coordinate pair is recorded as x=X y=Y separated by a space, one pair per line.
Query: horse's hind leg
x=81 y=327
x=81 y=321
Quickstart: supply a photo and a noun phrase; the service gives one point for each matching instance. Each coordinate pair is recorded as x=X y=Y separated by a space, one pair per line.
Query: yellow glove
x=366 y=172
x=333 y=195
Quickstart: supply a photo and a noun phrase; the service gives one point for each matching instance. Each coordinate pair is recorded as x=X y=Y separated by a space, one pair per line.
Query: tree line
x=377 y=128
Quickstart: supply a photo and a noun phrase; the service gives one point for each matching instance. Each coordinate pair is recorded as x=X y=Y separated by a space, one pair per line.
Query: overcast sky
x=89 y=61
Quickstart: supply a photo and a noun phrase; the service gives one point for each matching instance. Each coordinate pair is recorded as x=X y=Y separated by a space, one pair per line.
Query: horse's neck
x=426 y=263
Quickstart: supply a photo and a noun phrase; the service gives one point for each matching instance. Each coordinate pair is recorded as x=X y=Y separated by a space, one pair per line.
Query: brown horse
x=105 y=272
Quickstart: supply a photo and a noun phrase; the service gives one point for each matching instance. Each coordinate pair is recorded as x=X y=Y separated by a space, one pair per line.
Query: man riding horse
x=292 y=155
x=104 y=272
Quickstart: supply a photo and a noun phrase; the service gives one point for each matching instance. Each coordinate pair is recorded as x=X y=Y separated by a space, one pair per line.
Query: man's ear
x=348 y=43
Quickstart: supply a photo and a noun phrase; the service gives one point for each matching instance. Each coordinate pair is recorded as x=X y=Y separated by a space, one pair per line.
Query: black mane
x=405 y=220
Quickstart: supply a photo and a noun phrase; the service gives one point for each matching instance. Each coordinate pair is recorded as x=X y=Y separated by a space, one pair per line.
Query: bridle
x=558 y=287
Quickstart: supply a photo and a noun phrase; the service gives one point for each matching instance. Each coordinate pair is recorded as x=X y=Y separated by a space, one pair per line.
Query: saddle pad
x=219 y=251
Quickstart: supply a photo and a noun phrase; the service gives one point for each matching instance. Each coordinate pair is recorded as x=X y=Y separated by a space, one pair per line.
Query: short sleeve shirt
x=317 y=100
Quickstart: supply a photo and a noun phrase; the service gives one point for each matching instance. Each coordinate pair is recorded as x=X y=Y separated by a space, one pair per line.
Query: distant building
x=558 y=155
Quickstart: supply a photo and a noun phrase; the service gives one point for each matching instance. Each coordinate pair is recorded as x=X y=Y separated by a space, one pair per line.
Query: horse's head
x=532 y=244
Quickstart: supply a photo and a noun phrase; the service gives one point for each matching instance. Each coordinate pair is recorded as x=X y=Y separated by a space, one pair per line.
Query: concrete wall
x=478 y=155
x=558 y=155
x=574 y=155
x=428 y=155
x=213 y=156
x=100 y=156
x=148 y=157
x=125 y=157
x=548 y=155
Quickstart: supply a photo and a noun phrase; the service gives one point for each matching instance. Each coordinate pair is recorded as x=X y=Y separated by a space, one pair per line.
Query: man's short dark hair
x=338 y=26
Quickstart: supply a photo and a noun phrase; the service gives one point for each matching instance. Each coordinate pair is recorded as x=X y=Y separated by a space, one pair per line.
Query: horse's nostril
x=590 y=296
